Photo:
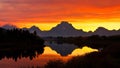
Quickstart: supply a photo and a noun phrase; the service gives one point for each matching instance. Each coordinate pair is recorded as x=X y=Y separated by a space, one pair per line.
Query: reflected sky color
x=77 y=51
x=50 y=54
x=48 y=50
x=41 y=60
x=83 y=51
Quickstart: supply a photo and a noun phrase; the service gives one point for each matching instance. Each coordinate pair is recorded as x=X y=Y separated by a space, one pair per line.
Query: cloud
x=53 y=10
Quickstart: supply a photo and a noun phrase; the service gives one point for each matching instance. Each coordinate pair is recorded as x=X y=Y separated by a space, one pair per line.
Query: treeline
x=94 y=41
x=17 y=42
x=19 y=37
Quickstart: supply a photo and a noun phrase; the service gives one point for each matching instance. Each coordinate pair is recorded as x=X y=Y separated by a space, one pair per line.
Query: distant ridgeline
x=16 y=42
x=66 y=29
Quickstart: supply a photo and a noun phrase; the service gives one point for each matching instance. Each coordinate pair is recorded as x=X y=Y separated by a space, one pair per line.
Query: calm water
x=52 y=51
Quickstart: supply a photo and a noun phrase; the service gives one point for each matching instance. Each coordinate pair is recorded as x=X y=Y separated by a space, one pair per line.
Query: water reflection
x=50 y=54
x=39 y=58
x=83 y=51
x=18 y=53
x=62 y=49
x=49 y=51
x=78 y=51
x=68 y=49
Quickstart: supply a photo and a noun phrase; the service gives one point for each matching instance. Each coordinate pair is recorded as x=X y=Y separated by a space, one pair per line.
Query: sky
x=82 y=14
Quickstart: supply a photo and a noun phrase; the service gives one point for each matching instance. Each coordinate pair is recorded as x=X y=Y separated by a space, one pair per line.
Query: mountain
x=65 y=29
x=101 y=31
x=64 y=26
x=105 y=32
x=34 y=28
x=8 y=26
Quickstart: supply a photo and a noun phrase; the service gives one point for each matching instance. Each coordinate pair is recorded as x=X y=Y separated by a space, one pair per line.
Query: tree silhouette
x=17 y=42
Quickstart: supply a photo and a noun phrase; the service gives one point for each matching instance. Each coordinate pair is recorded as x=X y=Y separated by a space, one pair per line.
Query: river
x=52 y=51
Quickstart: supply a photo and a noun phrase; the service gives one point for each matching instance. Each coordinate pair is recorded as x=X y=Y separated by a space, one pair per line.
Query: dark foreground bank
x=19 y=43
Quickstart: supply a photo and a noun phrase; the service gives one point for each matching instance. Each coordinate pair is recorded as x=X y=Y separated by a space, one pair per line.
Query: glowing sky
x=83 y=14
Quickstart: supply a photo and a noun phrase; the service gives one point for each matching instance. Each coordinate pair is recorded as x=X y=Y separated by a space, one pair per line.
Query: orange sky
x=83 y=14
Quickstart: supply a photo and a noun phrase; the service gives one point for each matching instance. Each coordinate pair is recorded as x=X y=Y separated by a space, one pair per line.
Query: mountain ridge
x=8 y=26
x=65 y=29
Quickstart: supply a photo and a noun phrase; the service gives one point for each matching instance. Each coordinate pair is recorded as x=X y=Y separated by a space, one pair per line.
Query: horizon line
x=56 y=25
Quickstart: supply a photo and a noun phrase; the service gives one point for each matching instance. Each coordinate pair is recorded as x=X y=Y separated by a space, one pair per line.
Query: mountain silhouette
x=101 y=31
x=8 y=26
x=63 y=26
x=65 y=29
x=34 y=28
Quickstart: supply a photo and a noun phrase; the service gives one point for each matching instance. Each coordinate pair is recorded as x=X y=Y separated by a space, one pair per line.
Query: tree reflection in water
x=16 y=53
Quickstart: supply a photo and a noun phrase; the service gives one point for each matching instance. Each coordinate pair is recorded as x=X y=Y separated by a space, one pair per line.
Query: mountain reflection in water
x=75 y=52
x=67 y=49
x=51 y=52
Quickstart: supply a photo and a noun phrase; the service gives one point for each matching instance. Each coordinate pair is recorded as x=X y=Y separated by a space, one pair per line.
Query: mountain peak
x=34 y=28
x=64 y=23
x=63 y=26
x=101 y=29
x=8 y=26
